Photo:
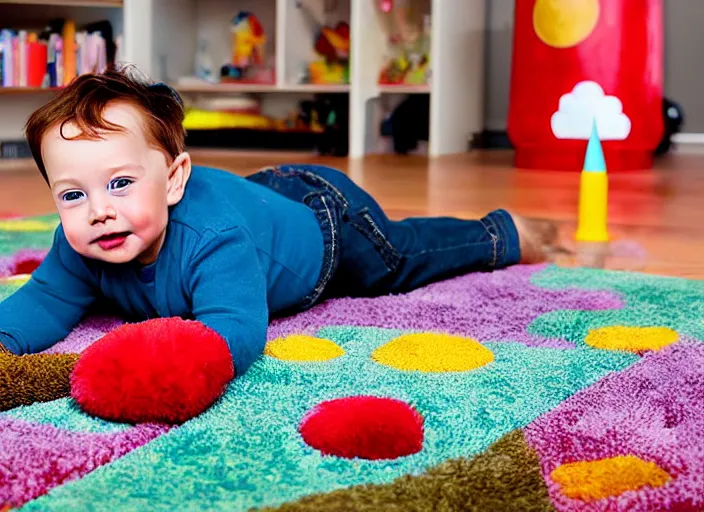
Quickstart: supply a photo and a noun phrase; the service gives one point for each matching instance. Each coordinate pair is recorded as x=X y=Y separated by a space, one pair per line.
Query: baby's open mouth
x=112 y=236
x=112 y=240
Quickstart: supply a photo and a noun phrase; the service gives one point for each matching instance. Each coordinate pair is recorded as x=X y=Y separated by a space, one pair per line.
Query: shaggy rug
x=532 y=388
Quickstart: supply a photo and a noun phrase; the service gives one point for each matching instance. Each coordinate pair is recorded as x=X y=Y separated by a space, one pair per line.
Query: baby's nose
x=101 y=213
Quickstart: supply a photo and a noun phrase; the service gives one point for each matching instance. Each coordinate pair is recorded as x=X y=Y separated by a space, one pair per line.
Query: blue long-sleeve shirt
x=235 y=252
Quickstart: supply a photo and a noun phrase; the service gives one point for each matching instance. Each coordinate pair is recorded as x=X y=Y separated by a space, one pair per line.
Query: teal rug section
x=246 y=450
x=648 y=302
x=8 y=289
x=39 y=236
x=64 y=414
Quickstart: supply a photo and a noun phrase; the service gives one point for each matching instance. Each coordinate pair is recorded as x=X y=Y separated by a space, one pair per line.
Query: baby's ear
x=179 y=172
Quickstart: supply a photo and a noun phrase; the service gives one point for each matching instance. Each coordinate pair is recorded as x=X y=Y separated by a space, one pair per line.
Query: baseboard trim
x=688 y=138
x=498 y=139
x=688 y=143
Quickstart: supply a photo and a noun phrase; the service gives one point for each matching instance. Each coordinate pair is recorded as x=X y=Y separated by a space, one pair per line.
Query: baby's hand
x=34 y=378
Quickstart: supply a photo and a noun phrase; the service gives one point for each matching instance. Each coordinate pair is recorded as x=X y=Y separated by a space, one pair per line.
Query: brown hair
x=82 y=102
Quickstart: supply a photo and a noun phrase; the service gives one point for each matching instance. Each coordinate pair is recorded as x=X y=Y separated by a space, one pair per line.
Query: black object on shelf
x=246 y=138
x=14 y=149
x=333 y=110
x=409 y=123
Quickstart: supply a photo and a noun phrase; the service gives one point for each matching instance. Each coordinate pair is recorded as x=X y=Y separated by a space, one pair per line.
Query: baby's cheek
x=78 y=240
x=149 y=221
x=148 y=210
x=73 y=231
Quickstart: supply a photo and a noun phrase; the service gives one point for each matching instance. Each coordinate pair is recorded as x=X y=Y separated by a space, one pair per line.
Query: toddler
x=158 y=237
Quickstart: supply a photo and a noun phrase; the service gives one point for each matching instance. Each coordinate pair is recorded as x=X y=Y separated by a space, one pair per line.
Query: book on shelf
x=51 y=58
x=14 y=149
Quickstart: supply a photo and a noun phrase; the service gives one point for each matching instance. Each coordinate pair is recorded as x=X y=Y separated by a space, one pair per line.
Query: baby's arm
x=45 y=310
x=228 y=291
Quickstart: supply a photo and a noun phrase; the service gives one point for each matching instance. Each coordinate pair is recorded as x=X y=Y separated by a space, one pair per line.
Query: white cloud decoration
x=578 y=109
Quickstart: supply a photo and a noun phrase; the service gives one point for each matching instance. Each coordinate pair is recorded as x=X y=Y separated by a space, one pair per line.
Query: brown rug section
x=34 y=378
x=506 y=477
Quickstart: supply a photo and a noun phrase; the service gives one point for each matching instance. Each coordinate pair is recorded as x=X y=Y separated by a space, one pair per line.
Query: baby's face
x=112 y=194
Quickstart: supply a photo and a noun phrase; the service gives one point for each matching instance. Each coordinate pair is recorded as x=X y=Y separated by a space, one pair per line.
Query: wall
x=684 y=77
x=499 y=38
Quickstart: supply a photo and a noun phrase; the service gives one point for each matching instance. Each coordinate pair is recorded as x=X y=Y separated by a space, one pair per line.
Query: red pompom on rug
x=366 y=427
x=26 y=263
x=165 y=370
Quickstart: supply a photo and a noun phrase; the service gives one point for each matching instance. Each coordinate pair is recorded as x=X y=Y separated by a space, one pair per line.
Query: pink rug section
x=36 y=458
x=653 y=410
x=10 y=264
x=87 y=332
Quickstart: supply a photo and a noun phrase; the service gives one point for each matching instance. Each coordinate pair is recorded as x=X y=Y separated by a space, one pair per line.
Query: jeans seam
x=333 y=244
x=327 y=184
x=494 y=239
x=500 y=227
x=385 y=246
x=320 y=180
x=327 y=272
x=453 y=247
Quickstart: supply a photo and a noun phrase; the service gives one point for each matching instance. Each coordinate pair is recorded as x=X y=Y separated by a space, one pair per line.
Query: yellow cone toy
x=593 y=194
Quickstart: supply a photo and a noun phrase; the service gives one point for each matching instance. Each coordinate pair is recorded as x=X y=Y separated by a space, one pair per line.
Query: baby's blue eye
x=120 y=183
x=73 y=195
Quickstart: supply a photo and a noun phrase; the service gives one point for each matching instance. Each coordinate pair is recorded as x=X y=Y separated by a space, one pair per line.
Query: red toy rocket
x=580 y=62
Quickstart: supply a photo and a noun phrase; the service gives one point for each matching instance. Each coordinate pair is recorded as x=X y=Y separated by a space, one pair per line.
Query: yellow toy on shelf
x=248 y=48
x=593 y=194
x=197 y=119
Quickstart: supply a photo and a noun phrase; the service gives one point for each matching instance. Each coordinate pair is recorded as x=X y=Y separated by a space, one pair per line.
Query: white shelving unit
x=161 y=38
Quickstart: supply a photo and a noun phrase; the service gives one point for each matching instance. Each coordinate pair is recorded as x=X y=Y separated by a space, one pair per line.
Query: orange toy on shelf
x=248 y=40
x=333 y=44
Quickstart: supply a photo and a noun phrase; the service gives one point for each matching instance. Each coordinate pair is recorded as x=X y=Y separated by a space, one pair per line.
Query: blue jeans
x=367 y=254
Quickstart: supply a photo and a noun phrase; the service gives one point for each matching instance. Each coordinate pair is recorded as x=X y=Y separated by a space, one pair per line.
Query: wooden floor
x=656 y=218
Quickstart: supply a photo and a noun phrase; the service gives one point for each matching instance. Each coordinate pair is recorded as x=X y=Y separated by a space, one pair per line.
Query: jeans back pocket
x=363 y=222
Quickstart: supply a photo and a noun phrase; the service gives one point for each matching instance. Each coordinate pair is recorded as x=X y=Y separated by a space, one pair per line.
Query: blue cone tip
x=594 y=159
